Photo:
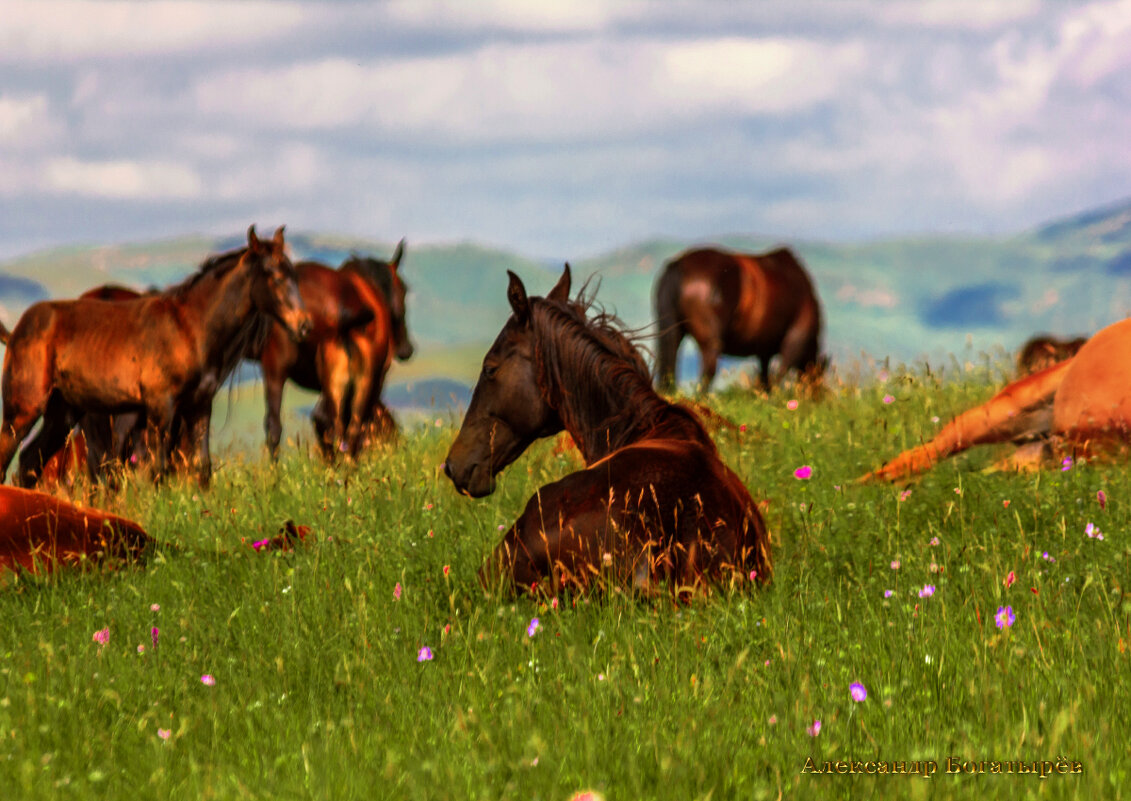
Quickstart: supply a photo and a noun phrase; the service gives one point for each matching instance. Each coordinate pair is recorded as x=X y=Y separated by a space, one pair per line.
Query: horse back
x=332 y=300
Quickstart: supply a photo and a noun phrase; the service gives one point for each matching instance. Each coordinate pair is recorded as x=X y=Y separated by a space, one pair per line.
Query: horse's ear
x=252 y=239
x=278 y=238
x=560 y=292
x=516 y=294
x=395 y=262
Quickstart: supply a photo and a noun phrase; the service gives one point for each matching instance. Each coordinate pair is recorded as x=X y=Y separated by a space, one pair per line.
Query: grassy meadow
x=319 y=688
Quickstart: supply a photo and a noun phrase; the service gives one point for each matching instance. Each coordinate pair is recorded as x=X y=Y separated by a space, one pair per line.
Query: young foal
x=164 y=355
x=655 y=503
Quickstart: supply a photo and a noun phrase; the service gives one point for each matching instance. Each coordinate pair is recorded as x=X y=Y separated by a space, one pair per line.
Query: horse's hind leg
x=272 y=420
x=58 y=420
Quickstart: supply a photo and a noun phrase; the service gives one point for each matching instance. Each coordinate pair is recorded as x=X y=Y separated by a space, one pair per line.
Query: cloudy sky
x=560 y=128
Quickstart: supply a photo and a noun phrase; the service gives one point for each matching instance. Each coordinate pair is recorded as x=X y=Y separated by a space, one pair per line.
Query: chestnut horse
x=1044 y=351
x=358 y=316
x=39 y=532
x=1082 y=404
x=655 y=503
x=738 y=304
x=164 y=355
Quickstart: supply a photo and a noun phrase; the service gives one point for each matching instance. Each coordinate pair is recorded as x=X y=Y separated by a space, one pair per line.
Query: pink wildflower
x=888 y=399
x=424 y=654
x=397 y=591
x=208 y=680
x=102 y=636
x=1009 y=579
x=1101 y=496
x=164 y=734
x=804 y=472
x=791 y=405
x=927 y=591
x=814 y=729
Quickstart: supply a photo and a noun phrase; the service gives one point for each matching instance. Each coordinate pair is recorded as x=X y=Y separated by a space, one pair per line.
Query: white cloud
x=62 y=31
x=518 y=15
x=962 y=14
x=26 y=122
x=546 y=92
x=123 y=180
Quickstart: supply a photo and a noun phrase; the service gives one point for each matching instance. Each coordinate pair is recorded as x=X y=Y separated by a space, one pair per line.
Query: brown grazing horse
x=163 y=355
x=40 y=532
x=738 y=304
x=358 y=325
x=1044 y=351
x=655 y=503
x=1081 y=405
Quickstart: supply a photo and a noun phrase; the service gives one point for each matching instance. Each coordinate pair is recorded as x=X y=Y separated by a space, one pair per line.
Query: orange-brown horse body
x=164 y=355
x=358 y=327
x=39 y=532
x=655 y=502
x=738 y=304
x=1084 y=401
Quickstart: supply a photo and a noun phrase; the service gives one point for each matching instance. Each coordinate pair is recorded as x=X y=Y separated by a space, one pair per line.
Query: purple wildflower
x=1004 y=617
x=858 y=691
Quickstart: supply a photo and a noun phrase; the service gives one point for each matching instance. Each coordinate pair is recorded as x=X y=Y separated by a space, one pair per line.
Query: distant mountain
x=914 y=298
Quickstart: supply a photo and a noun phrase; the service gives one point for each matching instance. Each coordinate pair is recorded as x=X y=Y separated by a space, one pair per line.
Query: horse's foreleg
x=1023 y=410
x=198 y=433
x=58 y=420
x=334 y=375
x=272 y=421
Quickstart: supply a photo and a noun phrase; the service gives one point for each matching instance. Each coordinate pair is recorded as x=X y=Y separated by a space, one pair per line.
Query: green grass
x=319 y=693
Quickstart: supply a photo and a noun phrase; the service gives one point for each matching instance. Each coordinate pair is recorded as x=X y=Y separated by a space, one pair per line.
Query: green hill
x=908 y=299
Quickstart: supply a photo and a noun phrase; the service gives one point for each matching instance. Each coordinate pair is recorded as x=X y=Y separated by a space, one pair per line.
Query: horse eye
x=489 y=370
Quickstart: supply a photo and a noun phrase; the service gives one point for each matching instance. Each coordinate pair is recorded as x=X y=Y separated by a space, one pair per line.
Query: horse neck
x=222 y=303
x=602 y=399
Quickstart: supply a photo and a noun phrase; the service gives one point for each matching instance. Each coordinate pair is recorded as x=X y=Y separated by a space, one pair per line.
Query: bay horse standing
x=163 y=355
x=655 y=502
x=738 y=304
x=358 y=325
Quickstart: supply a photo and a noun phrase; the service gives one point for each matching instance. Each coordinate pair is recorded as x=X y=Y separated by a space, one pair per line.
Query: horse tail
x=1023 y=410
x=670 y=327
x=5 y=334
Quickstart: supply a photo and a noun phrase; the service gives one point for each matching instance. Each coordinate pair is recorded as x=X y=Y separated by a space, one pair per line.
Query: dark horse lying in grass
x=738 y=304
x=1044 y=351
x=655 y=503
x=164 y=355
x=358 y=325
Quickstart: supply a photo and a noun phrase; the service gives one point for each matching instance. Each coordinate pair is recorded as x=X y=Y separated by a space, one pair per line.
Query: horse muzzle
x=471 y=479
x=405 y=351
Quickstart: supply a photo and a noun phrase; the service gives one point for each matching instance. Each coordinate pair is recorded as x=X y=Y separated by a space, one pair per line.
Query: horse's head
x=508 y=410
x=276 y=294
x=386 y=275
x=397 y=307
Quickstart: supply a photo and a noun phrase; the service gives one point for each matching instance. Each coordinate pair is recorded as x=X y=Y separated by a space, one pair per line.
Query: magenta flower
x=888 y=593
x=791 y=405
x=208 y=680
x=533 y=627
x=903 y=496
x=857 y=691
x=815 y=729
x=397 y=592
x=1009 y=579
x=895 y=564
x=1101 y=496
x=164 y=734
x=260 y=544
x=102 y=636
x=888 y=399
x=1093 y=532
x=804 y=472
x=1066 y=464
x=154 y=633
x=424 y=654
x=934 y=540
x=927 y=591
x=1004 y=617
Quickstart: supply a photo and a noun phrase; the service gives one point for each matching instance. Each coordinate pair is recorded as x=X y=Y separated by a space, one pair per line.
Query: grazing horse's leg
x=706 y=330
x=98 y=429
x=799 y=348
x=58 y=420
x=367 y=385
x=334 y=375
